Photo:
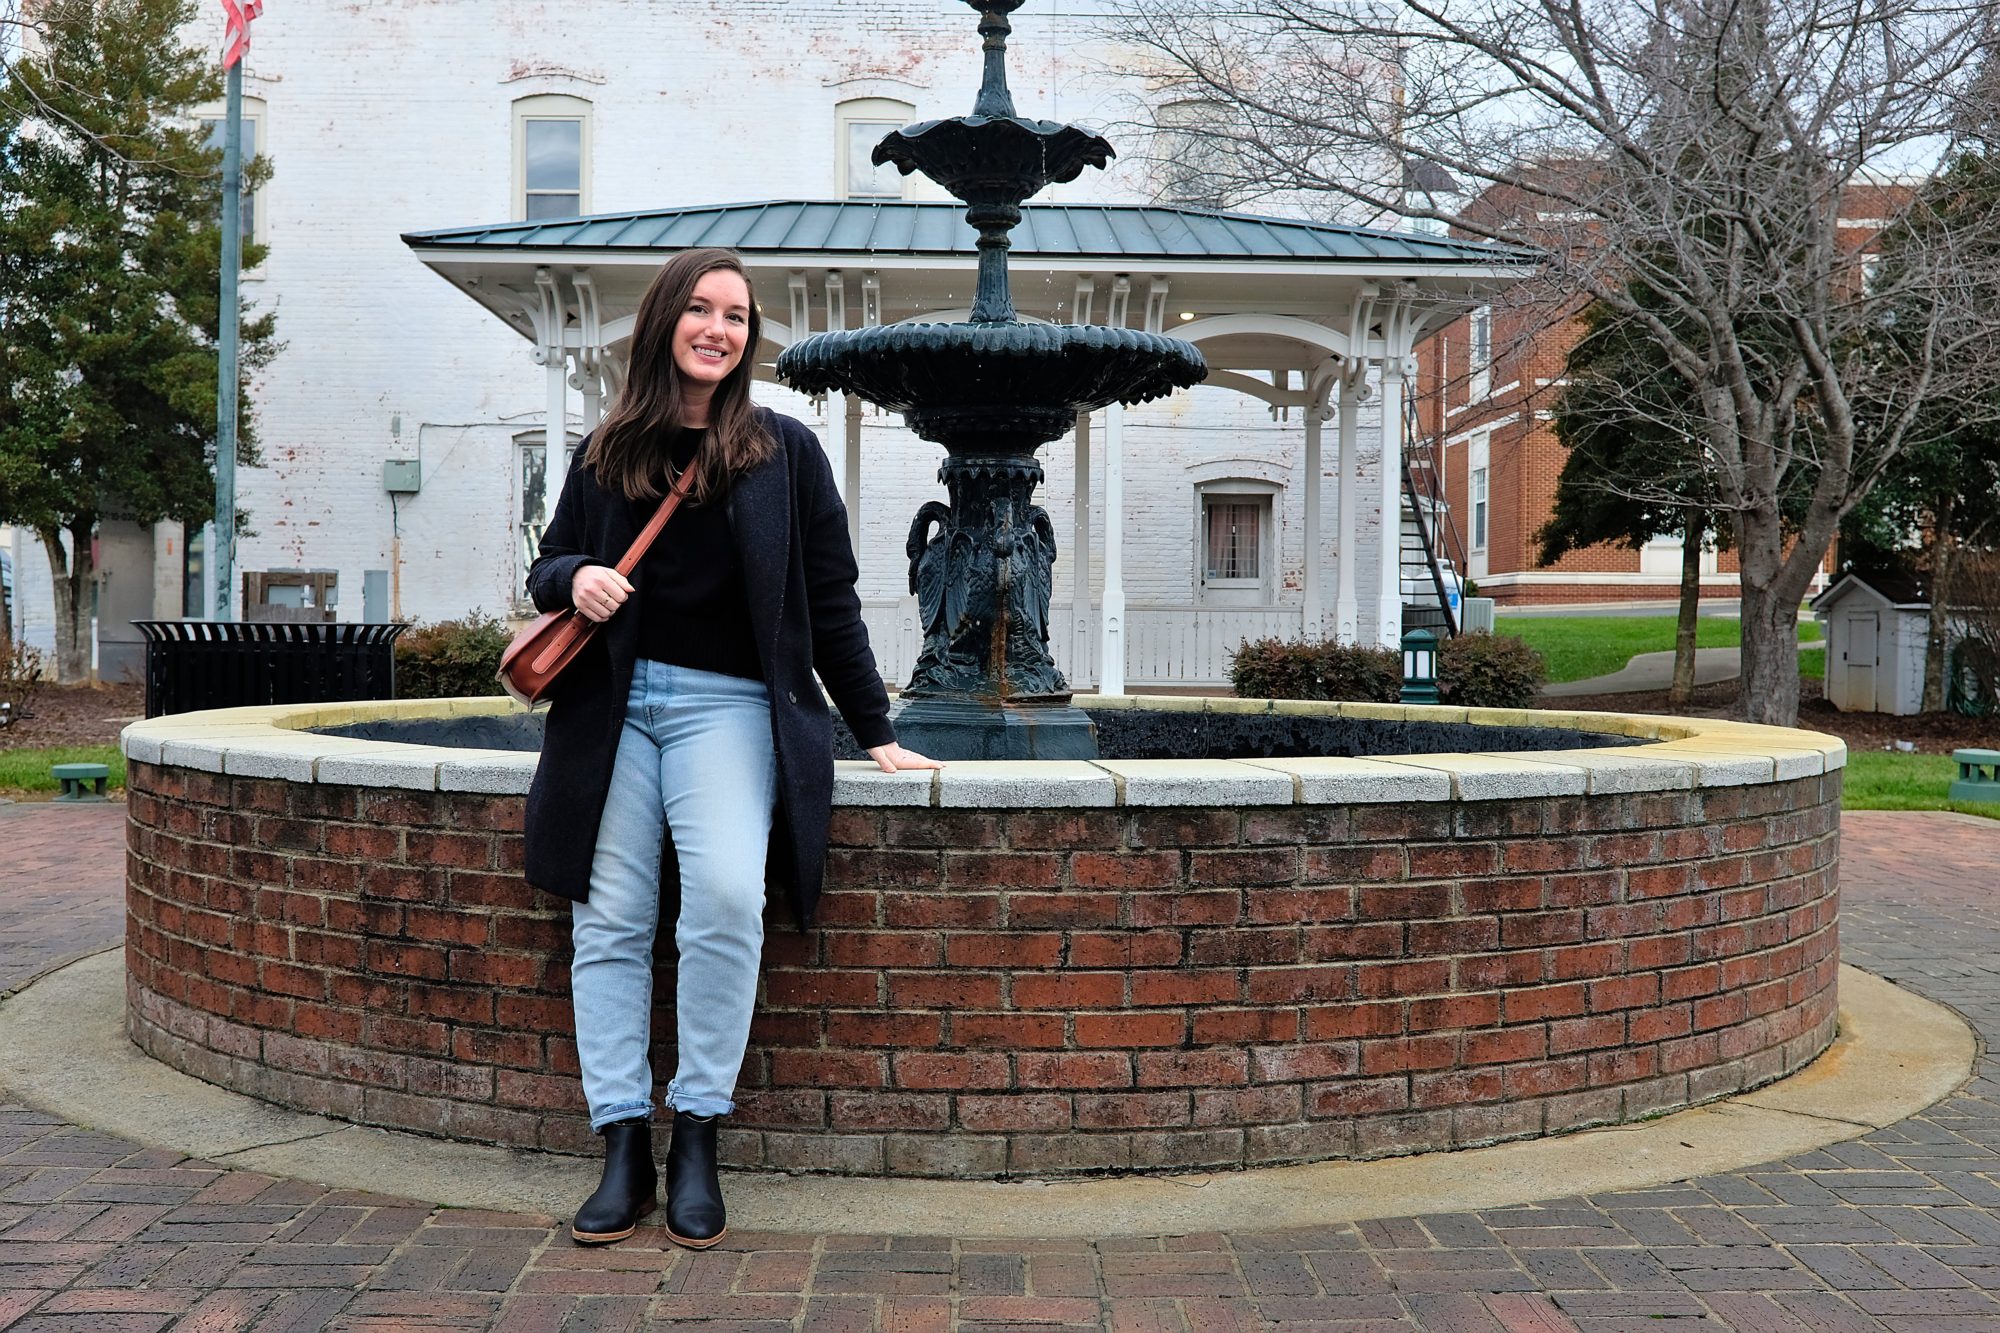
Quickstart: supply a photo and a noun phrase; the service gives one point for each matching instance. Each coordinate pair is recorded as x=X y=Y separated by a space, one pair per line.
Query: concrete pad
x=63 y=1050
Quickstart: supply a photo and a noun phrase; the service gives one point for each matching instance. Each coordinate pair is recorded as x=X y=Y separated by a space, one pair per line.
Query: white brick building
x=386 y=117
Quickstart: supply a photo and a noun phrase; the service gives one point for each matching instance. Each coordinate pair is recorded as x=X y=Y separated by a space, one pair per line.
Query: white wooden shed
x=1875 y=642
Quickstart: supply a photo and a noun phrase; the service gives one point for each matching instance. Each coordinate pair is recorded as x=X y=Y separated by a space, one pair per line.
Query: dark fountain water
x=992 y=391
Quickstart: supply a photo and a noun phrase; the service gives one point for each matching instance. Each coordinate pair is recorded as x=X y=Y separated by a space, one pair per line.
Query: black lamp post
x=992 y=391
x=1420 y=650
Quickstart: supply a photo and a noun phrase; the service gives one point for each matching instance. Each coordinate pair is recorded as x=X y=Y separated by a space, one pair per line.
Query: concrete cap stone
x=1500 y=777
x=491 y=772
x=1154 y=782
x=1016 y=785
x=274 y=741
x=860 y=782
x=1333 y=780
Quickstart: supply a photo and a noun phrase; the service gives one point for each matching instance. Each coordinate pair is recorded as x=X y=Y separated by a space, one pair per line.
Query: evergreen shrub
x=1474 y=671
x=1490 y=671
x=451 y=659
x=1296 y=669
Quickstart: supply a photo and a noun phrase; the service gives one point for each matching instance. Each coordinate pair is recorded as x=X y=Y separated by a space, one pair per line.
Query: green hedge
x=1474 y=671
x=450 y=659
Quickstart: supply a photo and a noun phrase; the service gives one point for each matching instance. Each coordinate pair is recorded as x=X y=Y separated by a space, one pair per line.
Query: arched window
x=551 y=156
x=859 y=124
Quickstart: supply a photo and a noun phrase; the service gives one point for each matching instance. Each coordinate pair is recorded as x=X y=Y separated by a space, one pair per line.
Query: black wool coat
x=798 y=568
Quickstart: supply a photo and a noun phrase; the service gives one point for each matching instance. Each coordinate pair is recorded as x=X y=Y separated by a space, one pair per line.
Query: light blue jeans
x=695 y=757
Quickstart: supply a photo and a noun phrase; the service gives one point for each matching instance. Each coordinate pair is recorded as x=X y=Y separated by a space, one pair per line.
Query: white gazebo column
x=840 y=409
x=589 y=377
x=555 y=437
x=1111 y=654
x=1079 y=560
x=1347 y=602
x=1389 y=599
x=836 y=441
x=852 y=463
x=551 y=317
x=591 y=383
x=1314 y=568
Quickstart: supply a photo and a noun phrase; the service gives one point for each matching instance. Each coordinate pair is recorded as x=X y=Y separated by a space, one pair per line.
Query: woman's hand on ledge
x=893 y=758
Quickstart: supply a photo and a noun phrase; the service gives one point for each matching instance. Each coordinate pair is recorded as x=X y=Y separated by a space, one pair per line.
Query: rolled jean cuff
x=681 y=1101
x=612 y=1115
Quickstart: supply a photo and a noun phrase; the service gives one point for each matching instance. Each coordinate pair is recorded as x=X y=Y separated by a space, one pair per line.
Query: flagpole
x=223 y=558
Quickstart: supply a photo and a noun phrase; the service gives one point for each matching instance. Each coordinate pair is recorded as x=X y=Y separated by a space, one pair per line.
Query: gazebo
x=1302 y=316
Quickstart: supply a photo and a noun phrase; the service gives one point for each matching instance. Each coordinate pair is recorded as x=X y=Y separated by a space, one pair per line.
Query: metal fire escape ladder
x=1423 y=492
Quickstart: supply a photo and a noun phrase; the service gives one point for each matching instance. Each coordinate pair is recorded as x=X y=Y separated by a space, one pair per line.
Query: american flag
x=236 y=36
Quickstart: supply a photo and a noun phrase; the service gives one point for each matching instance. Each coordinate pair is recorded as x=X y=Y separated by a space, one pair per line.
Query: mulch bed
x=1931 y=733
x=75 y=715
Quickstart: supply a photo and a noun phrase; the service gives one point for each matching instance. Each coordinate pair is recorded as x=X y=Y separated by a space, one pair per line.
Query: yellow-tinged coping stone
x=279 y=741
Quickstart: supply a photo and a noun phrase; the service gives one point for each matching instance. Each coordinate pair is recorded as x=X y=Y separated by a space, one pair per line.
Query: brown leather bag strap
x=657 y=521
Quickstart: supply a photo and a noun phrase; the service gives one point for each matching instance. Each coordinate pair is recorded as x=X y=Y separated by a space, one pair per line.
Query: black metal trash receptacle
x=197 y=664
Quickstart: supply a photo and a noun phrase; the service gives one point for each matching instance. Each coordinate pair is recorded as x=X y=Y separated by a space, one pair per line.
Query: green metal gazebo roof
x=1110 y=231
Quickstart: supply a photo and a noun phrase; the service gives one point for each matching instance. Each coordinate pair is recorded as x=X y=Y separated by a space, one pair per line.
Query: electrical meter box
x=402 y=476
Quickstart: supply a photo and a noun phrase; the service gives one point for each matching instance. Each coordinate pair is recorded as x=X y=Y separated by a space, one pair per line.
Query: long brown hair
x=629 y=451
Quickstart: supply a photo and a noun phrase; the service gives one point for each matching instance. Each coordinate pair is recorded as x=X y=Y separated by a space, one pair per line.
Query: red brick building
x=1484 y=388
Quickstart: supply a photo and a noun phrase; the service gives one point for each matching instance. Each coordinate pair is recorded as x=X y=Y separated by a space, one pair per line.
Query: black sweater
x=693 y=608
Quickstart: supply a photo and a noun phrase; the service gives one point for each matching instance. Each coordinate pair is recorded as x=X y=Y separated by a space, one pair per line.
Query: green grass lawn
x=1578 y=647
x=1883 y=780
x=28 y=770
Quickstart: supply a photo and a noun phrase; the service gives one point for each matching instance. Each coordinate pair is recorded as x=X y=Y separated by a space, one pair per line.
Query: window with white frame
x=538 y=490
x=859 y=124
x=551 y=156
x=1234 y=547
x=213 y=124
x=1193 y=165
x=1478 y=501
x=1479 y=350
x=1479 y=463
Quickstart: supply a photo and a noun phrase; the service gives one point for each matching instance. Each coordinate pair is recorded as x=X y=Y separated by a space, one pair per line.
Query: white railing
x=1165 y=644
x=1185 y=645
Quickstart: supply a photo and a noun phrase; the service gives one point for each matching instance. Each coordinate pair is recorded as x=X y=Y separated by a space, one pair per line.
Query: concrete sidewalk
x=1647 y=672
x=1893 y=1230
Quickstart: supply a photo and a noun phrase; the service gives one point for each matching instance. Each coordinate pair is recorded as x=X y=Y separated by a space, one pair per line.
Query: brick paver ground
x=62 y=885
x=1897 y=1230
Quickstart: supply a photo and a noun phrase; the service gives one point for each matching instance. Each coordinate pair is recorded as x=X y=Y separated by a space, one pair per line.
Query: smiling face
x=712 y=333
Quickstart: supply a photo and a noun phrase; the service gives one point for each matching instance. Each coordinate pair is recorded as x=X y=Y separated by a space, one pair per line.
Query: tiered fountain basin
x=1032 y=969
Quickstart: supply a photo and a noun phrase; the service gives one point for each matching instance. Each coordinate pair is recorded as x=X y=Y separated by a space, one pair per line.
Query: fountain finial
x=994 y=98
x=991 y=390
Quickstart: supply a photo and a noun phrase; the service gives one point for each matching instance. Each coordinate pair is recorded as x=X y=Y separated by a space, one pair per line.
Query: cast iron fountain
x=992 y=391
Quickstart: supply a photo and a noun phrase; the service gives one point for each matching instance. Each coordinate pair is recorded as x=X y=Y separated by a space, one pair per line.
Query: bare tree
x=1715 y=155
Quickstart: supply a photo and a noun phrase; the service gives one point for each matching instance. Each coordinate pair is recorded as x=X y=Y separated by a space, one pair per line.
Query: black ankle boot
x=694 y=1196
x=628 y=1190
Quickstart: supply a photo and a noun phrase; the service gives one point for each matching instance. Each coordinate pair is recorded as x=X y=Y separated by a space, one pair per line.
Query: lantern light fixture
x=1420 y=648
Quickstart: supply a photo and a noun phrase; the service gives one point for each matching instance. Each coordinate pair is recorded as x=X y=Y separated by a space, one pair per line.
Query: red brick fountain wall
x=1026 y=992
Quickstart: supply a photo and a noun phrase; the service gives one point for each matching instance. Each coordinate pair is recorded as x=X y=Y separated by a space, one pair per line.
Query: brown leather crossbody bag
x=538 y=654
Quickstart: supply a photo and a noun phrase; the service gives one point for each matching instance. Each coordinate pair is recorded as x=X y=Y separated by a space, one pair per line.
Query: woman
x=691 y=733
